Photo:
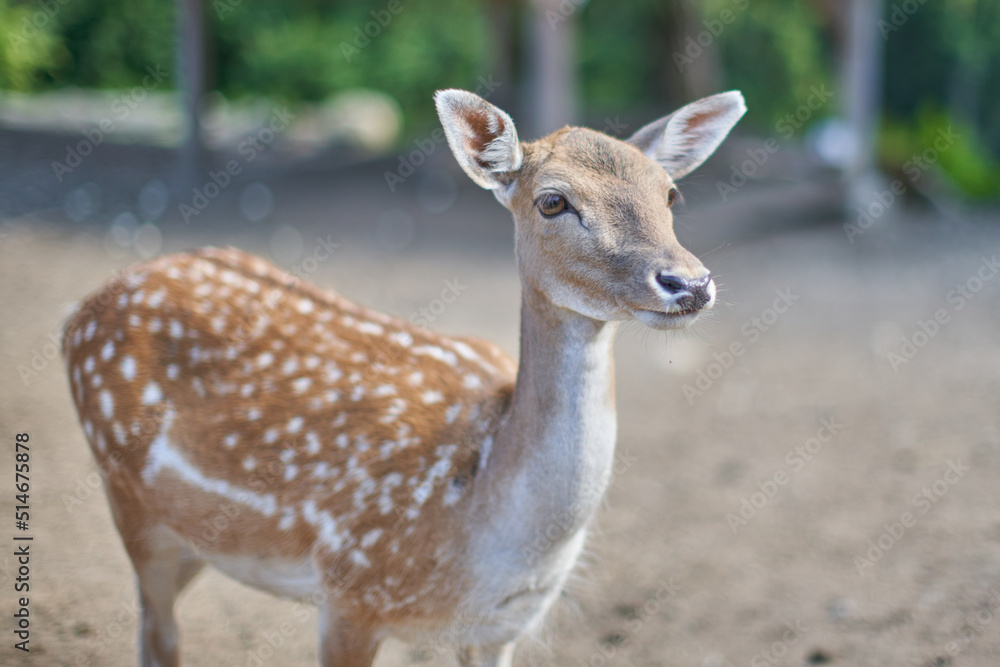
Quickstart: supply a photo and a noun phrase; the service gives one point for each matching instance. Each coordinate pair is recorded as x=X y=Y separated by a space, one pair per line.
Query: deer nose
x=693 y=293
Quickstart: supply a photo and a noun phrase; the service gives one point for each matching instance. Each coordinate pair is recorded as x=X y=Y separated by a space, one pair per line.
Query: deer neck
x=553 y=455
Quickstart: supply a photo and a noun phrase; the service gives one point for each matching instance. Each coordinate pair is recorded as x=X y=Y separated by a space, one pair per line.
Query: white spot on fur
x=301 y=385
x=435 y=352
x=230 y=440
x=107 y=404
x=327 y=533
x=389 y=482
x=304 y=306
x=152 y=395
x=432 y=397
x=402 y=338
x=156 y=298
x=370 y=538
x=162 y=456
x=436 y=472
x=108 y=351
x=312 y=444
x=370 y=328
x=128 y=368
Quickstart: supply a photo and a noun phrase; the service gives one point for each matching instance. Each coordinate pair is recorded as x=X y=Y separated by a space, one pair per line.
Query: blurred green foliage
x=31 y=50
x=941 y=63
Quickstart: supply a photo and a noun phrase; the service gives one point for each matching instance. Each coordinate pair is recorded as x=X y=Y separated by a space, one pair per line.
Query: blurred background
x=757 y=514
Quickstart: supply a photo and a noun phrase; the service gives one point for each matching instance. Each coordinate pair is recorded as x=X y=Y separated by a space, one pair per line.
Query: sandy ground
x=759 y=521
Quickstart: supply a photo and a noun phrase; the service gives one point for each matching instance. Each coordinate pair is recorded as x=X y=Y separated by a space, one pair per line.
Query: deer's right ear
x=481 y=136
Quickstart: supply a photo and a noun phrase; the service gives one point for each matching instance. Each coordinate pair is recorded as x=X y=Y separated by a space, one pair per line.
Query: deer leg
x=499 y=655
x=164 y=565
x=343 y=643
x=167 y=566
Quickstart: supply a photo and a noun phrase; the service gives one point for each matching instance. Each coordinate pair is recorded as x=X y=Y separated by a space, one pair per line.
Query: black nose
x=694 y=291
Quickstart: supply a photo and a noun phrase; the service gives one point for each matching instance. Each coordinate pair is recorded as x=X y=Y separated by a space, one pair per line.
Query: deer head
x=594 y=227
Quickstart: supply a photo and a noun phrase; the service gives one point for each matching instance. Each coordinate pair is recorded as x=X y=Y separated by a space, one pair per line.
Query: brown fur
x=208 y=293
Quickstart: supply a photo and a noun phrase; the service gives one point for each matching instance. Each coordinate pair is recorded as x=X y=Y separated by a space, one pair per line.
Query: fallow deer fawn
x=399 y=478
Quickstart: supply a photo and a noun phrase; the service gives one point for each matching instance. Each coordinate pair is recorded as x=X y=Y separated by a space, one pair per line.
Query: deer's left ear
x=687 y=137
x=481 y=136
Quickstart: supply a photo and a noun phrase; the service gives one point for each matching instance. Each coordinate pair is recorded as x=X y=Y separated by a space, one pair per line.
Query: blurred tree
x=30 y=50
x=636 y=58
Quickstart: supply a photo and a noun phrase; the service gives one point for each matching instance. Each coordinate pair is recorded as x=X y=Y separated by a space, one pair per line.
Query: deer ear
x=481 y=136
x=687 y=137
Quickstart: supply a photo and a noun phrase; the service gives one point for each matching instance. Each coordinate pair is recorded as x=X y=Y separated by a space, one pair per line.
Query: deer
x=394 y=477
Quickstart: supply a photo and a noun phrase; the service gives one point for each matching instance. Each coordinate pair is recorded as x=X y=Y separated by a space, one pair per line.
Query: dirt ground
x=809 y=500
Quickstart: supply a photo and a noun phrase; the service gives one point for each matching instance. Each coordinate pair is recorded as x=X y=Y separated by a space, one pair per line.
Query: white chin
x=655 y=320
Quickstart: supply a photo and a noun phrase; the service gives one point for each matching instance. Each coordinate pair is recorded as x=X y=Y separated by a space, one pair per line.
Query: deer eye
x=552 y=205
x=673 y=196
